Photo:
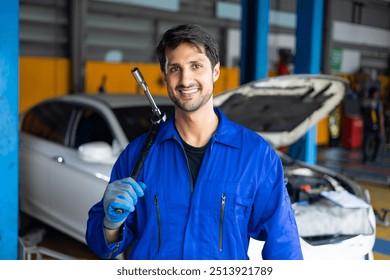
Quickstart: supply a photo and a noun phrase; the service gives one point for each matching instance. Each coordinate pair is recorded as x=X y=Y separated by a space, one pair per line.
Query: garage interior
x=59 y=47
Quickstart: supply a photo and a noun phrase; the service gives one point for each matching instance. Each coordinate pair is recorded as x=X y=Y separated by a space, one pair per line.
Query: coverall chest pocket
x=237 y=206
x=235 y=198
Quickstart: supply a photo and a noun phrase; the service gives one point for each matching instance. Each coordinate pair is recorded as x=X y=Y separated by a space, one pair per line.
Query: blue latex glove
x=121 y=194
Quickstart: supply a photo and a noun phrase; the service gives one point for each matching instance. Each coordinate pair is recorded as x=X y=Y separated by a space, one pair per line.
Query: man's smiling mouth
x=188 y=91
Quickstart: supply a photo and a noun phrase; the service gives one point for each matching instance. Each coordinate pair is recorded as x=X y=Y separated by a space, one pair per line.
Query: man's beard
x=189 y=106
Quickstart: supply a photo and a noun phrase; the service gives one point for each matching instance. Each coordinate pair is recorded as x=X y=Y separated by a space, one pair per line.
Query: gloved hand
x=121 y=194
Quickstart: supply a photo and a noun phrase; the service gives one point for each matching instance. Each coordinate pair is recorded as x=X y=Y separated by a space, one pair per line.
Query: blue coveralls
x=239 y=193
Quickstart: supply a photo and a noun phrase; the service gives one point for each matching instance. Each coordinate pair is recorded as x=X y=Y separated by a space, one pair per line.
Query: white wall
x=360 y=35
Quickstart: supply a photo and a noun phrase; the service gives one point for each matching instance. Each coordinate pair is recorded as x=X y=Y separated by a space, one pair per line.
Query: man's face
x=189 y=76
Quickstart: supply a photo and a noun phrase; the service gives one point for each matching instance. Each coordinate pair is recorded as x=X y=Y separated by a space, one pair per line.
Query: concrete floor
x=349 y=162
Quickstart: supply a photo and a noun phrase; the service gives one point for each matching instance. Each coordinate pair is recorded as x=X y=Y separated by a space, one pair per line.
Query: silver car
x=67 y=148
x=69 y=144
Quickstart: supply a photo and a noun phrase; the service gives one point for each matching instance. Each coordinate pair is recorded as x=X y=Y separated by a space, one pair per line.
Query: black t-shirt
x=195 y=157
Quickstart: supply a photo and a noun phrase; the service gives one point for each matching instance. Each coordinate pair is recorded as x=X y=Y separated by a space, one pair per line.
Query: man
x=373 y=125
x=207 y=185
x=282 y=68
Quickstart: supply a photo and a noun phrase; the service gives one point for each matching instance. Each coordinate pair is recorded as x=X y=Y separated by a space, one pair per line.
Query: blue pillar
x=9 y=72
x=308 y=61
x=254 y=40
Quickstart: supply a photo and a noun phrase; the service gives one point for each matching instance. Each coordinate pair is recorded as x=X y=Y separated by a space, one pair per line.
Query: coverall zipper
x=221 y=217
x=158 y=222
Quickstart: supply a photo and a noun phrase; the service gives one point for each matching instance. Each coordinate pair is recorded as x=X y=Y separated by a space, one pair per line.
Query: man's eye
x=174 y=69
x=196 y=66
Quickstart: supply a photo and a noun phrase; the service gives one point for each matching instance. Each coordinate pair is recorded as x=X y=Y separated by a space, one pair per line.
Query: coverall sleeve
x=272 y=219
x=96 y=239
x=95 y=236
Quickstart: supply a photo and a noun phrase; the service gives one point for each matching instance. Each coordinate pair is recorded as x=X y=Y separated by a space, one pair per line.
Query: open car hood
x=282 y=109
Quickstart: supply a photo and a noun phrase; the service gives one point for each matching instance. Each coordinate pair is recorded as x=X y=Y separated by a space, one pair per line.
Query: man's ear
x=163 y=77
x=216 y=71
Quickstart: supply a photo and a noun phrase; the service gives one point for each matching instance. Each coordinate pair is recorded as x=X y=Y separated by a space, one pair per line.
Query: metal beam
x=308 y=36
x=9 y=97
x=327 y=37
x=254 y=40
x=308 y=61
x=78 y=18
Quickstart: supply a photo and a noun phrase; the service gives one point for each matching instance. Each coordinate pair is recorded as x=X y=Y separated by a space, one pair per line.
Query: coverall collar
x=226 y=132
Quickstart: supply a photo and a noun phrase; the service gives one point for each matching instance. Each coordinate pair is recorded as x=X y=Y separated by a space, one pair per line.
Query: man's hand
x=119 y=200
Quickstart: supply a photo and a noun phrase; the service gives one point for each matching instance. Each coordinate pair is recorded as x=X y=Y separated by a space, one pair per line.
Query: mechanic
x=373 y=125
x=207 y=184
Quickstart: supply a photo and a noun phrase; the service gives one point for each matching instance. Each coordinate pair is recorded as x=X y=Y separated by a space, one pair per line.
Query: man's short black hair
x=187 y=33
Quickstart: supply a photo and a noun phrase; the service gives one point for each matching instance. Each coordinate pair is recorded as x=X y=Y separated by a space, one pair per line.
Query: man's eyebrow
x=173 y=64
x=198 y=60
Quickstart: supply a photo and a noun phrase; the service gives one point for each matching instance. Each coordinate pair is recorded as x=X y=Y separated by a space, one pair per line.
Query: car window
x=137 y=120
x=48 y=121
x=92 y=127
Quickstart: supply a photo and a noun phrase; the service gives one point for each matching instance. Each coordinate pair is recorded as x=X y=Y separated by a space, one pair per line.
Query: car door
x=42 y=137
x=80 y=184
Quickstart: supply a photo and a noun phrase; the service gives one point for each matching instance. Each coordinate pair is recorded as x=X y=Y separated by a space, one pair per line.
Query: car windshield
x=137 y=120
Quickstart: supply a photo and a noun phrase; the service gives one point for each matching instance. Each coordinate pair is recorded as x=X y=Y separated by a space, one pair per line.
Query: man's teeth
x=189 y=91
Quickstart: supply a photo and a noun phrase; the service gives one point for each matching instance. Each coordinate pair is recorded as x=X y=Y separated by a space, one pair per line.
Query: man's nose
x=186 y=77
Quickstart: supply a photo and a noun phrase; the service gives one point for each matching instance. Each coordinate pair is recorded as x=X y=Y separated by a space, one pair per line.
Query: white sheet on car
x=327 y=218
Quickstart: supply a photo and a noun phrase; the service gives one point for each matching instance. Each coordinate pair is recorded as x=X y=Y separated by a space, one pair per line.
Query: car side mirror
x=97 y=152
